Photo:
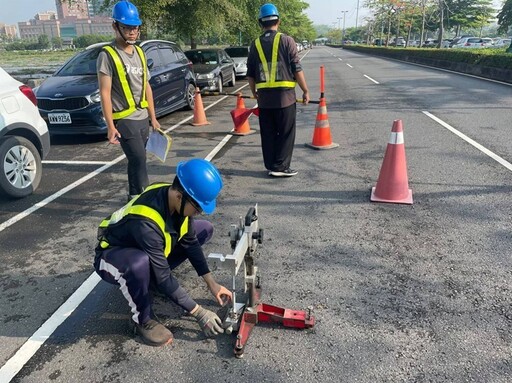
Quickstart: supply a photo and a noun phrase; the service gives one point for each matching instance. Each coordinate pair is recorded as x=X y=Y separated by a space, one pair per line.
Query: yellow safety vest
x=270 y=80
x=125 y=86
x=146 y=212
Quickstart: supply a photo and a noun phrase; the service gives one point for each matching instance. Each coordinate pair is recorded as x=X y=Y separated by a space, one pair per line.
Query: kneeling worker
x=152 y=234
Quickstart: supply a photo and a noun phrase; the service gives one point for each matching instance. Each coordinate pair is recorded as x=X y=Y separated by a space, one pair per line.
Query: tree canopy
x=221 y=21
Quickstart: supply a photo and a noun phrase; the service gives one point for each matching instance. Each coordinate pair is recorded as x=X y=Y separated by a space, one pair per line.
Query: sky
x=320 y=11
x=326 y=12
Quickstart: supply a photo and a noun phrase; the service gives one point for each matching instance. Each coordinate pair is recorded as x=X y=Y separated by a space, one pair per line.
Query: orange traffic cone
x=322 y=134
x=393 y=185
x=242 y=128
x=199 y=114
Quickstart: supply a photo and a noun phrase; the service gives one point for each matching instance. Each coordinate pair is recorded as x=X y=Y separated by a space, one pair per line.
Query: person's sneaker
x=285 y=173
x=153 y=333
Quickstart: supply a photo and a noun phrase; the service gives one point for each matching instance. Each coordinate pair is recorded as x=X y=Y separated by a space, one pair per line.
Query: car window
x=474 y=41
x=168 y=54
x=179 y=54
x=83 y=63
x=202 y=57
x=237 y=52
x=152 y=53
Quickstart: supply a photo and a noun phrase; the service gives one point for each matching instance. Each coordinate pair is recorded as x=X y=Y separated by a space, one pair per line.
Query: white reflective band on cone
x=396 y=138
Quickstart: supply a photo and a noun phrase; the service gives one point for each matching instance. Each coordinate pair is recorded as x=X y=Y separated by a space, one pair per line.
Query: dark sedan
x=213 y=68
x=69 y=100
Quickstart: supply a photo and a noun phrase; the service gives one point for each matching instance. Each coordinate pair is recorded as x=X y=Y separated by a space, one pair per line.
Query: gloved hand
x=209 y=322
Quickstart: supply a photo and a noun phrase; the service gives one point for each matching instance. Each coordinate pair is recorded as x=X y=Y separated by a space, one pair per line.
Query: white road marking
x=371 y=79
x=349 y=65
x=51 y=162
x=11 y=368
x=483 y=149
x=30 y=347
x=47 y=200
x=340 y=59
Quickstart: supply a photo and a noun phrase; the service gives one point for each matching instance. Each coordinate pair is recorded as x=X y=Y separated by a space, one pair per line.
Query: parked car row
x=69 y=101
x=457 y=42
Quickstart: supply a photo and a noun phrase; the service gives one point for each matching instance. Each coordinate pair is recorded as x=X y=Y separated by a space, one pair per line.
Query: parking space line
x=483 y=149
x=371 y=79
x=30 y=347
x=51 y=162
x=349 y=65
x=47 y=200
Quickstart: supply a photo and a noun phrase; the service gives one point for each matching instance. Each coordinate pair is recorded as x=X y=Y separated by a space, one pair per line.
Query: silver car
x=239 y=56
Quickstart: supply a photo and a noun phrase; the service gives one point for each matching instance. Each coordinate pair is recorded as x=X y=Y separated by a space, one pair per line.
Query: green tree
x=505 y=20
x=43 y=41
x=57 y=42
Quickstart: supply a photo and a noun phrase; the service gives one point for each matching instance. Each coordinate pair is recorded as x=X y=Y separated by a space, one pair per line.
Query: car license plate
x=59 y=118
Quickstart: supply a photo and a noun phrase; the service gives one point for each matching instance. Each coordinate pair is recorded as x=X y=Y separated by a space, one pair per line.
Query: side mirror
x=151 y=62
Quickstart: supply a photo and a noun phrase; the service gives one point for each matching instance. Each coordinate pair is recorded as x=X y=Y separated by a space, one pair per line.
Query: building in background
x=8 y=31
x=42 y=24
x=67 y=28
x=76 y=8
x=95 y=8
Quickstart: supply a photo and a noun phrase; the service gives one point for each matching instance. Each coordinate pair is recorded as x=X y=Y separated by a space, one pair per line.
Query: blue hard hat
x=126 y=13
x=201 y=181
x=268 y=12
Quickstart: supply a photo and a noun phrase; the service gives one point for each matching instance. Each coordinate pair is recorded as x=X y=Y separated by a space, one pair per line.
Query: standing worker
x=152 y=234
x=273 y=70
x=126 y=96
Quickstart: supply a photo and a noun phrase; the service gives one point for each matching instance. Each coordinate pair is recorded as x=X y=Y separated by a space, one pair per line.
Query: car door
x=226 y=65
x=157 y=80
x=174 y=74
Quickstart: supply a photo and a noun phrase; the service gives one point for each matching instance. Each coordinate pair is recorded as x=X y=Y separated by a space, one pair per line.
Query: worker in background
x=273 y=70
x=141 y=243
x=126 y=96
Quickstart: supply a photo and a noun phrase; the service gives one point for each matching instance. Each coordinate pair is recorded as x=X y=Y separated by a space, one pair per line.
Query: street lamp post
x=357 y=12
x=343 y=30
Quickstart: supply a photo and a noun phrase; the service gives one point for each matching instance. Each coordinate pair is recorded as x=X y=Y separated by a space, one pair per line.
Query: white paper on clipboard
x=159 y=144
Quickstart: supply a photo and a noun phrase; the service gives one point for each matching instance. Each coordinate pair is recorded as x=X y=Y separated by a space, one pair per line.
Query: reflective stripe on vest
x=270 y=80
x=146 y=212
x=125 y=86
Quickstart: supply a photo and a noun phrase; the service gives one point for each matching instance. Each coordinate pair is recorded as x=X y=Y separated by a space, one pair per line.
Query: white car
x=24 y=138
x=501 y=43
x=239 y=56
x=472 y=42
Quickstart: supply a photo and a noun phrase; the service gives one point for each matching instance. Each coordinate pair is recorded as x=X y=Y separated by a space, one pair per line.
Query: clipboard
x=159 y=144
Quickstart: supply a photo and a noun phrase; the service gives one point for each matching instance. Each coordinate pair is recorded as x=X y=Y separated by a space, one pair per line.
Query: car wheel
x=21 y=167
x=233 y=79
x=219 y=84
x=191 y=94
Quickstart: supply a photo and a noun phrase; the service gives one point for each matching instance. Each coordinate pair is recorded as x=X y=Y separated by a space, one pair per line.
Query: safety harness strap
x=146 y=212
x=270 y=80
x=125 y=86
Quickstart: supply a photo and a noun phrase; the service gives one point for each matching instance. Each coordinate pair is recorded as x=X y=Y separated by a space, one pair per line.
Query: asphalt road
x=401 y=293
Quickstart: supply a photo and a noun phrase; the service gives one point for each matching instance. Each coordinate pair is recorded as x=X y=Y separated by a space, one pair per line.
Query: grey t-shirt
x=134 y=73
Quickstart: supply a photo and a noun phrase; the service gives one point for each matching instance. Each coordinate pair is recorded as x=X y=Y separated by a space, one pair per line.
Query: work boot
x=153 y=333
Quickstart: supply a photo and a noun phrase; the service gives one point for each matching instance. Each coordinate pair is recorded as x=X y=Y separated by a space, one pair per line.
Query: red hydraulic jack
x=242 y=317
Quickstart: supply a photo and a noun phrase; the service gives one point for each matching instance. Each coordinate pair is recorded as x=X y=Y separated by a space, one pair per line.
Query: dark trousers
x=277 y=131
x=134 y=135
x=129 y=268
